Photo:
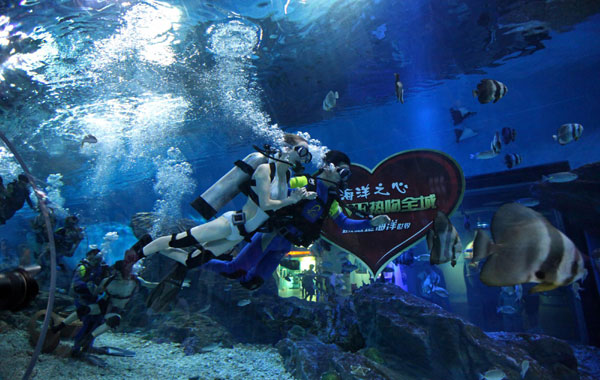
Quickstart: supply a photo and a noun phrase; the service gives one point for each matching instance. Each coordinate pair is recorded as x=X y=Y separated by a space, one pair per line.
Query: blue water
x=176 y=91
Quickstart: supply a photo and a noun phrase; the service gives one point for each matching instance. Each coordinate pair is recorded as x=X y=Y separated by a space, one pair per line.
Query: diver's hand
x=311 y=195
x=379 y=220
x=298 y=195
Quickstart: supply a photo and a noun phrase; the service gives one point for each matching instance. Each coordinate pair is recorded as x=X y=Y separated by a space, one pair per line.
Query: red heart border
x=437 y=182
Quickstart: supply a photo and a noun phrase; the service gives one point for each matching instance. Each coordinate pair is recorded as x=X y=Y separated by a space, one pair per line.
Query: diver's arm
x=263 y=191
x=354 y=224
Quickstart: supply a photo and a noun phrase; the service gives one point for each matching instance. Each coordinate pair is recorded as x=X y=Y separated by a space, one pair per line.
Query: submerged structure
x=276 y=189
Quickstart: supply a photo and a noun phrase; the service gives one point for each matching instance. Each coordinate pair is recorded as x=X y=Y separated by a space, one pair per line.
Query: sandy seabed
x=152 y=361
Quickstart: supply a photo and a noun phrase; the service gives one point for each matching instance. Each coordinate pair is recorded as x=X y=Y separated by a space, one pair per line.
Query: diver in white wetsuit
x=267 y=192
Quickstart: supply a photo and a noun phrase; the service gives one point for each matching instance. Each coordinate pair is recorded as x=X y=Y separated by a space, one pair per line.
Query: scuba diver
x=68 y=237
x=111 y=296
x=299 y=224
x=13 y=197
x=267 y=191
x=85 y=287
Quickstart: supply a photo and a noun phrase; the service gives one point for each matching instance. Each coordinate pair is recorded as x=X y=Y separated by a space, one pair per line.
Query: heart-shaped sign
x=410 y=187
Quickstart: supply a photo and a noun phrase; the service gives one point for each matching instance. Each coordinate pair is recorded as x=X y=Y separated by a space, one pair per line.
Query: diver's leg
x=176 y=254
x=213 y=230
x=249 y=256
x=112 y=321
x=275 y=251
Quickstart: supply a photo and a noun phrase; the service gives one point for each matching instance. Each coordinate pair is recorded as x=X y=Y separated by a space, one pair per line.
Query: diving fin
x=167 y=290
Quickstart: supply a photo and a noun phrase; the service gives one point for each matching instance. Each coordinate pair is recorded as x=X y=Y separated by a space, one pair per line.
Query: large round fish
x=526 y=248
x=490 y=90
x=568 y=133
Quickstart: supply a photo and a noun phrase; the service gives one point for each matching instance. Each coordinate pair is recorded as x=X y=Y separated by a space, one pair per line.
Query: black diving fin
x=167 y=289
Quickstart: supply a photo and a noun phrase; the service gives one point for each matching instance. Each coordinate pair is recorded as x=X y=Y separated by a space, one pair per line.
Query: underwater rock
x=309 y=358
x=422 y=340
x=142 y=223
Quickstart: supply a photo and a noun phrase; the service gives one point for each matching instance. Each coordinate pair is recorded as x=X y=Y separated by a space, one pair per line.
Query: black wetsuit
x=14 y=197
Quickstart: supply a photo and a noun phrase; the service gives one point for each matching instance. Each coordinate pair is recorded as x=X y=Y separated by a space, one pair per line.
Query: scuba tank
x=226 y=188
x=232 y=183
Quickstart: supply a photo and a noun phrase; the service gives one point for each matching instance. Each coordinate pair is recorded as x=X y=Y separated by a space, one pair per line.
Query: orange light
x=298 y=253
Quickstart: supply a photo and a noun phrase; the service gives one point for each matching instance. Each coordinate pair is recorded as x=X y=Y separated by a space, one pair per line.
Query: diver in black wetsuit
x=13 y=197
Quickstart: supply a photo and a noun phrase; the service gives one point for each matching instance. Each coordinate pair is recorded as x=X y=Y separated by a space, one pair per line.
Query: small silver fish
x=243 y=303
x=90 y=139
x=485 y=155
x=524 y=368
x=330 y=100
x=492 y=374
x=568 y=133
x=560 y=177
x=399 y=88
x=211 y=347
x=506 y=310
x=424 y=257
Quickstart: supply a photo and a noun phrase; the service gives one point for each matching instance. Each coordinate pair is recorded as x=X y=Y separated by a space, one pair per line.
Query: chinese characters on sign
x=407 y=204
x=392 y=225
x=365 y=191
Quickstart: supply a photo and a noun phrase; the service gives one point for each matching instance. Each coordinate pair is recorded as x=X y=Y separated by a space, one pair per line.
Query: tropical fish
x=423 y=257
x=330 y=100
x=526 y=248
x=496 y=145
x=443 y=241
x=399 y=88
x=559 y=177
x=512 y=160
x=431 y=286
x=89 y=139
x=492 y=374
x=489 y=90
x=244 y=302
x=485 y=155
x=524 y=368
x=568 y=133
x=211 y=347
x=464 y=133
x=506 y=309
x=529 y=202
x=508 y=135
x=460 y=114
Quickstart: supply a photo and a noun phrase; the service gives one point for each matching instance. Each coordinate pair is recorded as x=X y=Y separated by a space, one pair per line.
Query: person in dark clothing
x=13 y=197
x=67 y=238
x=299 y=224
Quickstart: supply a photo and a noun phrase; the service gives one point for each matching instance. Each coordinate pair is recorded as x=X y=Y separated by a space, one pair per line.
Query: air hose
x=44 y=210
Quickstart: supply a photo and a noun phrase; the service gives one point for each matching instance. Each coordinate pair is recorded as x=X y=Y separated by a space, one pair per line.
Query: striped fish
x=568 y=133
x=526 y=248
x=490 y=90
x=443 y=241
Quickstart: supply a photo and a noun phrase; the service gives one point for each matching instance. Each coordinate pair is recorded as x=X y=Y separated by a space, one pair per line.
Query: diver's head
x=71 y=220
x=336 y=168
x=94 y=256
x=123 y=268
x=295 y=149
